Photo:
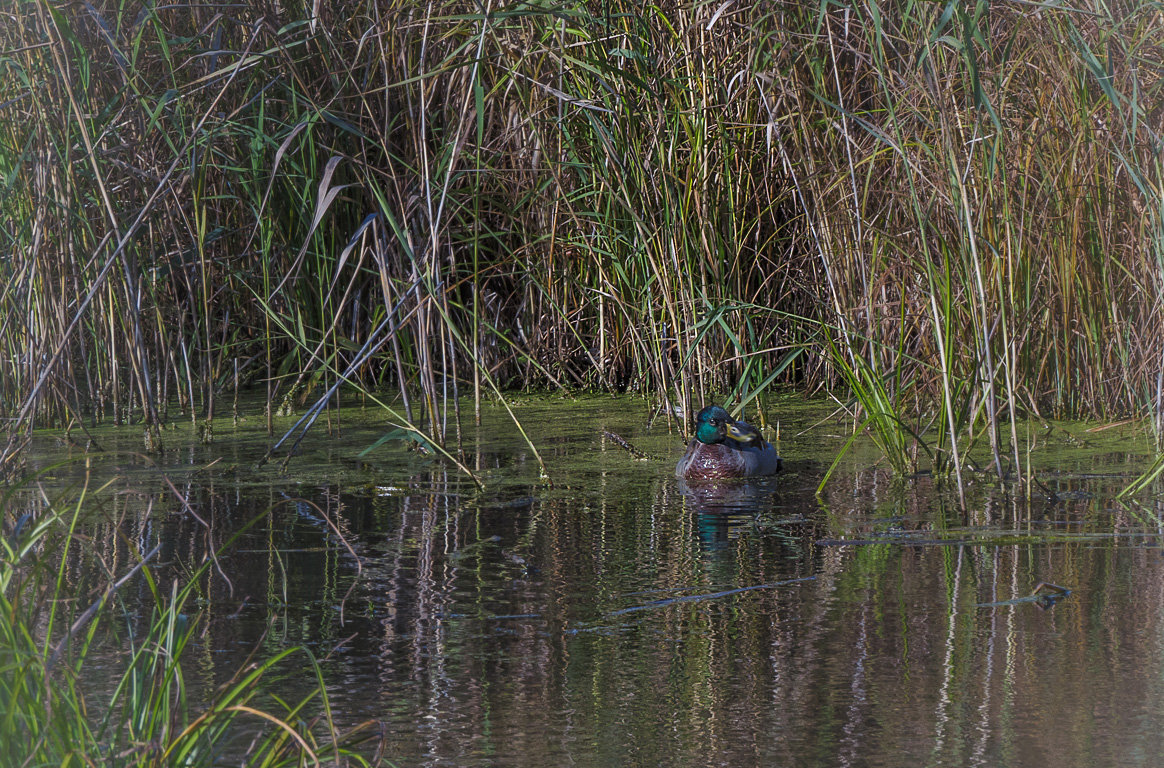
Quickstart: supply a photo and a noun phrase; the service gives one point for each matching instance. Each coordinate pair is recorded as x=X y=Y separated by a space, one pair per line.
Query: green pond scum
x=399 y=613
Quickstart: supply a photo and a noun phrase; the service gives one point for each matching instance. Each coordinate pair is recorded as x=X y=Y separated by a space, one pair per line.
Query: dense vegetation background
x=952 y=211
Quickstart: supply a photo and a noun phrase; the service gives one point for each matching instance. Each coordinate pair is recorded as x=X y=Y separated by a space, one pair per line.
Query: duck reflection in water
x=721 y=507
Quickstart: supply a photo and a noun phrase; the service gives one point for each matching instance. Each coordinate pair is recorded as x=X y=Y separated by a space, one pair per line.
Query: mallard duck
x=723 y=447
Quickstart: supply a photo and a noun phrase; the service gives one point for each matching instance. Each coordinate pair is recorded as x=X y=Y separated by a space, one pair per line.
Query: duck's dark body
x=715 y=462
x=724 y=448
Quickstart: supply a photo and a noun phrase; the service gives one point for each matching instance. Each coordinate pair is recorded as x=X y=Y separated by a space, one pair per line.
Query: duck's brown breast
x=711 y=462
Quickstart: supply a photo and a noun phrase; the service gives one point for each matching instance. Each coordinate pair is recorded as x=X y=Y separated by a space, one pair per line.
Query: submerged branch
x=712 y=596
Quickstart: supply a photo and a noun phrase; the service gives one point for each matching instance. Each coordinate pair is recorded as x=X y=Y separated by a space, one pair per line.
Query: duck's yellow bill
x=743 y=433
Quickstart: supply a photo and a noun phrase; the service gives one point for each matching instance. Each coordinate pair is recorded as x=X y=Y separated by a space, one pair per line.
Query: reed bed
x=947 y=214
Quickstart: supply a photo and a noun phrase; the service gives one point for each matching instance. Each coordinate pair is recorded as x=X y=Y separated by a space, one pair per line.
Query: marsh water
x=619 y=617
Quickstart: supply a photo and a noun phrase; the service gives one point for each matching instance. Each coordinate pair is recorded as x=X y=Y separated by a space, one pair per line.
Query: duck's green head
x=715 y=425
x=711 y=425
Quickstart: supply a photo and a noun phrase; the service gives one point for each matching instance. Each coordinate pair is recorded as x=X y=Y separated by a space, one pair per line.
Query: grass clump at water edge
x=64 y=706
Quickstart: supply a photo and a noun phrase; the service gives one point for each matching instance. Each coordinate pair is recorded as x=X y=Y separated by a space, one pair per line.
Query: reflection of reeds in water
x=96 y=649
x=496 y=622
x=504 y=624
x=955 y=212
